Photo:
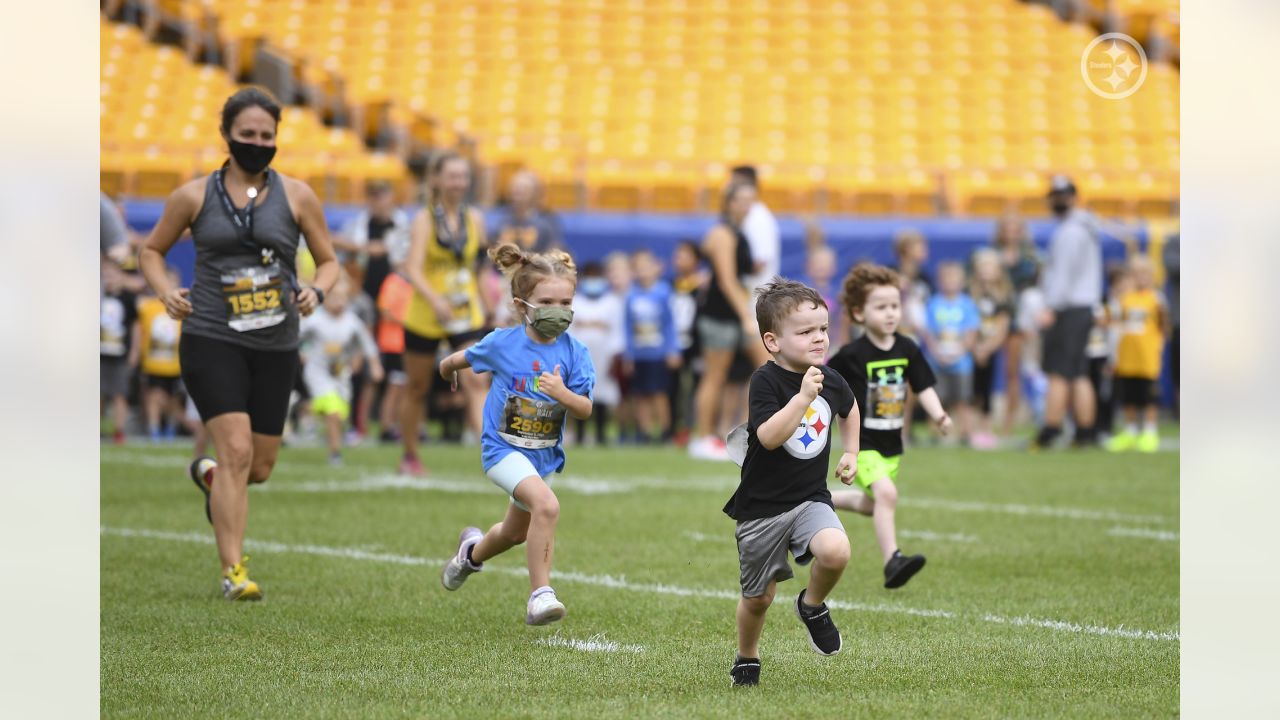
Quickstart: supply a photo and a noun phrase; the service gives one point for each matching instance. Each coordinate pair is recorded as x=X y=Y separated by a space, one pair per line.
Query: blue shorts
x=651 y=377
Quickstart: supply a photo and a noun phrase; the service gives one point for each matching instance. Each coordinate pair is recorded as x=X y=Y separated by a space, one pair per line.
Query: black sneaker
x=823 y=634
x=199 y=468
x=745 y=671
x=900 y=568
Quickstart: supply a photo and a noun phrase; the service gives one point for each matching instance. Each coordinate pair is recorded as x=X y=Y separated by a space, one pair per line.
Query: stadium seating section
x=848 y=106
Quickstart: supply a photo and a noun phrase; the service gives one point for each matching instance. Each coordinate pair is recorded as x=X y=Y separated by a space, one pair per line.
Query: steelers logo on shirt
x=815 y=427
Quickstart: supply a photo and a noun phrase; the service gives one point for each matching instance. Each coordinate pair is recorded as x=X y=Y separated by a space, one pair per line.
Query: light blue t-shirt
x=517 y=417
x=948 y=321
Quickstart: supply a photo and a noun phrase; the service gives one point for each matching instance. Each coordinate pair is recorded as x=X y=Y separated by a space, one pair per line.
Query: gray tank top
x=237 y=296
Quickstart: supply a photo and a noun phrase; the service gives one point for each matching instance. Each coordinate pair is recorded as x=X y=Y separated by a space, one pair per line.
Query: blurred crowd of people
x=1016 y=337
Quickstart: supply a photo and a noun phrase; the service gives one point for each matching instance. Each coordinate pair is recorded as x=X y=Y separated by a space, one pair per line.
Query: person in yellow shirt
x=444 y=254
x=158 y=350
x=1142 y=325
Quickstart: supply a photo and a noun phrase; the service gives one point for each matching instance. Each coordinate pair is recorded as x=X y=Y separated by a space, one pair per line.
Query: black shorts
x=651 y=377
x=1065 y=341
x=1135 y=392
x=222 y=377
x=983 y=384
x=393 y=369
x=415 y=343
x=160 y=382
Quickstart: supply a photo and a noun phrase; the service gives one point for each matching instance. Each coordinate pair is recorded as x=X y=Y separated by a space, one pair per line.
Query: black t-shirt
x=775 y=481
x=377 y=269
x=882 y=400
x=117 y=313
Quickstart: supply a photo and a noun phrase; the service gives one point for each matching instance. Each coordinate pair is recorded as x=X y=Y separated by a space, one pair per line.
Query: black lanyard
x=243 y=220
x=456 y=243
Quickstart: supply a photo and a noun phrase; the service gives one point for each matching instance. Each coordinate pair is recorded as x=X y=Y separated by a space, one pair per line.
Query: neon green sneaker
x=1148 y=442
x=236 y=584
x=1122 y=441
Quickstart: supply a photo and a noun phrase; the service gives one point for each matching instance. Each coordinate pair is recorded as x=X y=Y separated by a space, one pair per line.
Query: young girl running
x=540 y=374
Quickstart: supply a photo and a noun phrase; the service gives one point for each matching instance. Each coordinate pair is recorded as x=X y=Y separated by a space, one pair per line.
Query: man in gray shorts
x=1072 y=285
x=782 y=504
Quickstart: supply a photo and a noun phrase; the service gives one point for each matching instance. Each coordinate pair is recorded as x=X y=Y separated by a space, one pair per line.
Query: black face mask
x=253 y=159
x=1060 y=207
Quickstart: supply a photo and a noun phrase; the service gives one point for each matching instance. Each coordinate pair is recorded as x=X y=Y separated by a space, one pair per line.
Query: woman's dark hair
x=246 y=98
x=693 y=247
x=732 y=189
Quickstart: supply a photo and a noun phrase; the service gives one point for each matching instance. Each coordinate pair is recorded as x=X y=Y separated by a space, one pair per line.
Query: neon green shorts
x=331 y=404
x=873 y=466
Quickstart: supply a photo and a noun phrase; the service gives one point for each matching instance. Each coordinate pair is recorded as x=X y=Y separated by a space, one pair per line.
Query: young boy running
x=879 y=366
x=782 y=503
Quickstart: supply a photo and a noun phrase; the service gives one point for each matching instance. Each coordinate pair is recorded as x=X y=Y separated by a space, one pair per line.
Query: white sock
x=539 y=591
x=1149 y=427
x=1131 y=428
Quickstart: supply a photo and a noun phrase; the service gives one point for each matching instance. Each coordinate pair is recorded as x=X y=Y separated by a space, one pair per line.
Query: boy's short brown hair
x=779 y=298
x=861 y=280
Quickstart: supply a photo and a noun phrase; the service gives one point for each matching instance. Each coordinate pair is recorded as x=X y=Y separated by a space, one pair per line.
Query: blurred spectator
x=332 y=339
x=524 y=224
x=1072 y=284
x=951 y=332
x=393 y=304
x=1101 y=349
x=1031 y=379
x=377 y=237
x=597 y=324
x=653 y=351
x=158 y=352
x=1021 y=263
x=820 y=274
x=688 y=281
x=1174 y=292
x=617 y=270
x=1144 y=324
x=761 y=229
x=993 y=294
x=726 y=321
x=117 y=346
x=445 y=244
x=113 y=236
x=912 y=250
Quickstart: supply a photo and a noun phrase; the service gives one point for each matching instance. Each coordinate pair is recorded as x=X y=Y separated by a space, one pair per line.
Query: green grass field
x=1051 y=591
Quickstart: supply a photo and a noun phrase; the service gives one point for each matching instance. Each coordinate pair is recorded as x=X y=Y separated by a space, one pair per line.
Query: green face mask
x=550 y=321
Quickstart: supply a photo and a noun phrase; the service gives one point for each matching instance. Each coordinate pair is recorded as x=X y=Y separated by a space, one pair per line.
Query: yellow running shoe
x=236 y=584
x=1148 y=442
x=1122 y=441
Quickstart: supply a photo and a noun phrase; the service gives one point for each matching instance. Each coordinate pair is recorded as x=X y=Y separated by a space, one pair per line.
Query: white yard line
x=374 y=481
x=621 y=583
x=937 y=536
x=1053 y=511
x=1147 y=533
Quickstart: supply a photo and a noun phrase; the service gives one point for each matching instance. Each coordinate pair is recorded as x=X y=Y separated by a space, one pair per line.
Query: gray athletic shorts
x=954 y=388
x=717 y=334
x=113 y=376
x=763 y=544
x=1063 y=351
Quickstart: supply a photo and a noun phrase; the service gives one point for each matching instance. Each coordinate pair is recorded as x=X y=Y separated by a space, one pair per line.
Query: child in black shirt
x=782 y=503
x=878 y=367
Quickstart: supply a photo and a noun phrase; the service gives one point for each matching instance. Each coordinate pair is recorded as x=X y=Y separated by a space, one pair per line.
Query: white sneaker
x=459 y=567
x=544 y=608
x=708 y=448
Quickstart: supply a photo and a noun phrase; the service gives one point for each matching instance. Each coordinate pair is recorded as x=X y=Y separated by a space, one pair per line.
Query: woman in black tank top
x=239 y=346
x=726 y=320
